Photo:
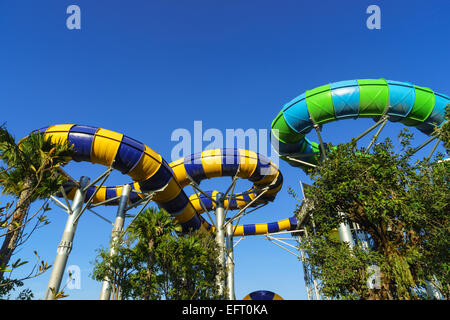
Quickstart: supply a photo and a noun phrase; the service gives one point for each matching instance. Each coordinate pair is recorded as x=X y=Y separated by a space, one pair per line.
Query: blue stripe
x=261 y=170
x=246 y=198
x=111 y=192
x=437 y=116
x=401 y=99
x=207 y=201
x=249 y=229
x=89 y=193
x=345 y=96
x=84 y=129
x=81 y=137
x=176 y=205
x=134 y=197
x=194 y=168
x=230 y=162
x=161 y=178
x=262 y=295
x=273 y=227
x=293 y=222
x=193 y=224
x=232 y=204
x=297 y=115
x=128 y=155
x=82 y=144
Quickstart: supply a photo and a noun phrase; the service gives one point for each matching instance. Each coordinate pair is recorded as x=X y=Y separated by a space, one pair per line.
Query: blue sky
x=146 y=68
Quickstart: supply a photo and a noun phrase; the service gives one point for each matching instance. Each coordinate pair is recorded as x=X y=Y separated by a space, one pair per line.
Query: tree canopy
x=154 y=262
x=402 y=206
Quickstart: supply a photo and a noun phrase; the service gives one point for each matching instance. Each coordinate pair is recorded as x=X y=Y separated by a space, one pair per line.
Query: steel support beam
x=105 y=293
x=65 y=246
x=220 y=236
x=230 y=263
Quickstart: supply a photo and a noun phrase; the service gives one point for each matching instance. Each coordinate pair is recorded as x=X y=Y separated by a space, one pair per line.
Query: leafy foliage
x=403 y=208
x=28 y=172
x=153 y=262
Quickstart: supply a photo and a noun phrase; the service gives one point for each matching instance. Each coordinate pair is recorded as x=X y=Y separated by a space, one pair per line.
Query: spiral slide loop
x=151 y=173
x=412 y=105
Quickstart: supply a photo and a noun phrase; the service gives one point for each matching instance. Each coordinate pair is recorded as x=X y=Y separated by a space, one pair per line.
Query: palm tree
x=151 y=228
x=30 y=174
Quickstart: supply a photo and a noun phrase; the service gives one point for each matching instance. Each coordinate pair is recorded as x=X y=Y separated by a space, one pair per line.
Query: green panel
x=320 y=104
x=285 y=133
x=374 y=97
x=423 y=106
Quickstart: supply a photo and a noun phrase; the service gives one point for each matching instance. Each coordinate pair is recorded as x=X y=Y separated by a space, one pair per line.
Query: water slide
x=151 y=173
x=262 y=295
x=403 y=102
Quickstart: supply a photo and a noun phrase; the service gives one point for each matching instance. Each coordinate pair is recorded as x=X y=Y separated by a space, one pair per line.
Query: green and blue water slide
x=403 y=102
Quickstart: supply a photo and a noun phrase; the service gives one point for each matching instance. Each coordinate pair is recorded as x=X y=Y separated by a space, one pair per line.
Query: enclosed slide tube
x=411 y=105
x=151 y=173
x=262 y=295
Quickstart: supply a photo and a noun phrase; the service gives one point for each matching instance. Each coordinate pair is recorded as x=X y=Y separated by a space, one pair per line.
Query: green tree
x=153 y=261
x=28 y=172
x=403 y=207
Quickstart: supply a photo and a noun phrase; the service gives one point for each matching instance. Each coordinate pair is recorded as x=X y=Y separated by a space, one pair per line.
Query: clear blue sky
x=146 y=68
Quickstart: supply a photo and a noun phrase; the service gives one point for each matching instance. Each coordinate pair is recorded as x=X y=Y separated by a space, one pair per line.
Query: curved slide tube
x=151 y=173
x=412 y=105
x=262 y=295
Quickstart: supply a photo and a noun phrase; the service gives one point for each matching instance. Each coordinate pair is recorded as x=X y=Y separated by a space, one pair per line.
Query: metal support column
x=105 y=293
x=345 y=234
x=65 y=246
x=230 y=262
x=220 y=235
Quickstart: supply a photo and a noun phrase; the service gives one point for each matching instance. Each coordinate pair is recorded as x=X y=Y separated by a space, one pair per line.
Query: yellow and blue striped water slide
x=403 y=102
x=262 y=295
x=151 y=173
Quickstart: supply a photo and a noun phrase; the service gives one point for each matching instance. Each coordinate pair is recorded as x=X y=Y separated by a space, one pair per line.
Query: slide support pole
x=105 y=293
x=220 y=235
x=230 y=262
x=345 y=234
x=65 y=246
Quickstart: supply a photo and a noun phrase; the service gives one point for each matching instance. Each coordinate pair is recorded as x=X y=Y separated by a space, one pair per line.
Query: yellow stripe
x=261 y=228
x=284 y=224
x=195 y=201
x=119 y=191
x=271 y=174
x=240 y=203
x=205 y=226
x=170 y=192
x=186 y=215
x=179 y=172
x=58 y=133
x=71 y=194
x=248 y=161
x=239 y=231
x=147 y=166
x=277 y=297
x=212 y=164
x=105 y=146
x=100 y=195
x=214 y=196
